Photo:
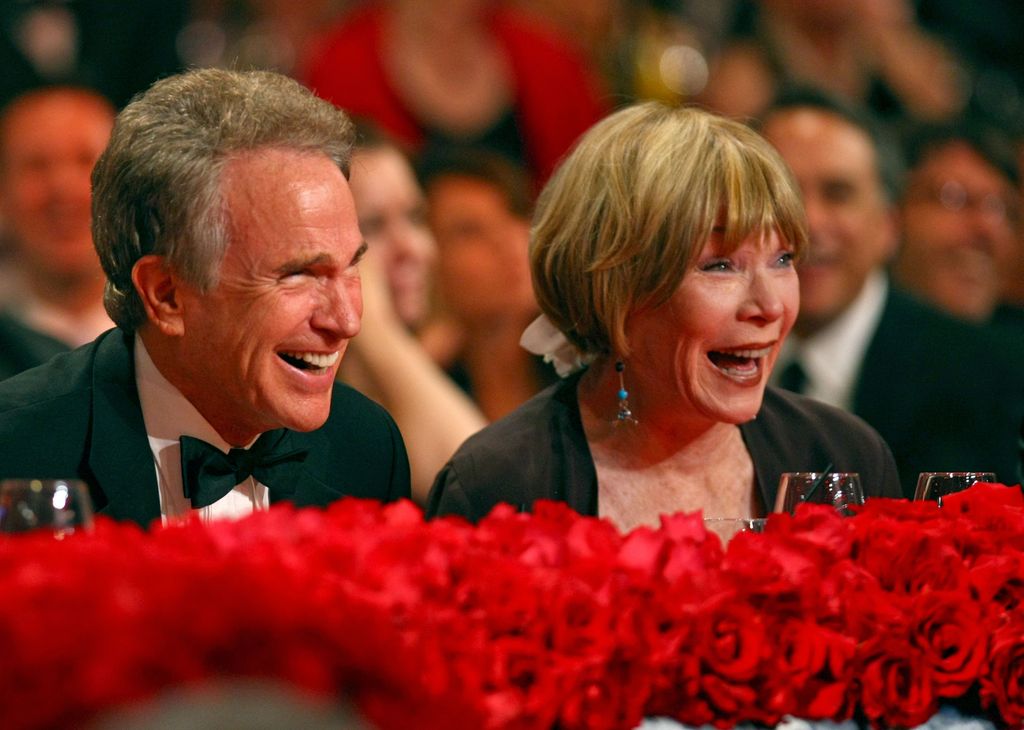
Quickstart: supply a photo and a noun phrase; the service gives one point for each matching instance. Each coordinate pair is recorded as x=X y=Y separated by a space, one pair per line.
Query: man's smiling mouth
x=315 y=362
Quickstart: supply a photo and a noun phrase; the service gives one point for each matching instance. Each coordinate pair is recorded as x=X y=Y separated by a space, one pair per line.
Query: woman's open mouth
x=741 y=364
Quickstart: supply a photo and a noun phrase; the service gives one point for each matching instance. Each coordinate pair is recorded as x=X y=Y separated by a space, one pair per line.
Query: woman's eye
x=786 y=259
x=716 y=265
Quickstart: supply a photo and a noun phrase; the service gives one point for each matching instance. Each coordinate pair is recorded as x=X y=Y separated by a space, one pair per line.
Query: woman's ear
x=157 y=287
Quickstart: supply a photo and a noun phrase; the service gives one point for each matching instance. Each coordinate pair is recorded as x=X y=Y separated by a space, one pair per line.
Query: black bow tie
x=207 y=473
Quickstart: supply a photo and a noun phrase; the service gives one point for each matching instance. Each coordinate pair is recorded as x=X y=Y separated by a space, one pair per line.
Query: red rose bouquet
x=543 y=620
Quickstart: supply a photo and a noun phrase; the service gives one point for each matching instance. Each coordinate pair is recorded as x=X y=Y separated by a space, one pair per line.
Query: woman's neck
x=661 y=430
x=667 y=461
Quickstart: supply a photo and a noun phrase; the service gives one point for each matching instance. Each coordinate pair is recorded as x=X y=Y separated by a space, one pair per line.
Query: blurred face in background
x=852 y=229
x=392 y=218
x=49 y=142
x=483 y=270
x=959 y=229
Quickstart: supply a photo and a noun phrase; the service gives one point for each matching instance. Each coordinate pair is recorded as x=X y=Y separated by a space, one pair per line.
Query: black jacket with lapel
x=944 y=394
x=79 y=416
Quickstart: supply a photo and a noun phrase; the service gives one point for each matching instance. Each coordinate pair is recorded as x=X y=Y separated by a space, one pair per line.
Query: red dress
x=556 y=97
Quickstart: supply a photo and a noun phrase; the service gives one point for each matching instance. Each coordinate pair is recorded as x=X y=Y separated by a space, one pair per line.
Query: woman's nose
x=765 y=299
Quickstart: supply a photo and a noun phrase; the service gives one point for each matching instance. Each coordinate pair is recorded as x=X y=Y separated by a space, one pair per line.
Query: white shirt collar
x=832 y=357
x=168 y=415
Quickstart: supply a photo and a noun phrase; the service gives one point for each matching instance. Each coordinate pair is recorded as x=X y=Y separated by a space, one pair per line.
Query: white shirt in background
x=832 y=357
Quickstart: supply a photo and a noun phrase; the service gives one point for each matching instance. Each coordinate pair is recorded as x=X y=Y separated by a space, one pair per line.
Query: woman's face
x=710 y=349
x=392 y=218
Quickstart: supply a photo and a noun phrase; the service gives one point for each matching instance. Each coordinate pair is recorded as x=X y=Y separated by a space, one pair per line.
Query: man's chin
x=308 y=416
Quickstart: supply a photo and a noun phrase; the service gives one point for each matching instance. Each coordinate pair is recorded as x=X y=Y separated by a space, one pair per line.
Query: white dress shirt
x=169 y=415
x=832 y=357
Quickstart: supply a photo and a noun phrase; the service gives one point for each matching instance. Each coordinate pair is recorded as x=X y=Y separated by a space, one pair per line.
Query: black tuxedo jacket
x=944 y=394
x=22 y=347
x=78 y=416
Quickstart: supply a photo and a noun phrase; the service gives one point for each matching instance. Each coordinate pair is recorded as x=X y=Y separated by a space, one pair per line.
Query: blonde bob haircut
x=627 y=213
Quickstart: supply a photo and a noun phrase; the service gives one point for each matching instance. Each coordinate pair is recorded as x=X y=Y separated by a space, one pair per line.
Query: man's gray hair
x=157 y=186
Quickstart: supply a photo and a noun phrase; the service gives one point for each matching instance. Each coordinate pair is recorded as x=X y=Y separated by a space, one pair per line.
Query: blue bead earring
x=624 y=415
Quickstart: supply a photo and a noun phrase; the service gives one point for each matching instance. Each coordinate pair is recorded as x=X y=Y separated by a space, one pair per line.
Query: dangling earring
x=625 y=415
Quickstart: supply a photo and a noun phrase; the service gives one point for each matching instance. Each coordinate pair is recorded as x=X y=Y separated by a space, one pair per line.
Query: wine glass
x=934 y=485
x=728 y=527
x=61 y=505
x=842 y=490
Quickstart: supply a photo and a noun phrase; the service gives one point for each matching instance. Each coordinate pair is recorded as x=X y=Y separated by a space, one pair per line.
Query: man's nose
x=340 y=308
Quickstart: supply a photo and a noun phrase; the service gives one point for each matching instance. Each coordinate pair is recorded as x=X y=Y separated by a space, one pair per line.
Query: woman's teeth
x=738 y=362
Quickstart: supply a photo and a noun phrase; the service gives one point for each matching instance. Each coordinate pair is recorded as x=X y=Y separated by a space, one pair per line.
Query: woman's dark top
x=539 y=451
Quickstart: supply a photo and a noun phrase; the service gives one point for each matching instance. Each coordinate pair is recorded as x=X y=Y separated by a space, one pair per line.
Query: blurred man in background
x=945 y=395
x=49 y=141
x=960 y=215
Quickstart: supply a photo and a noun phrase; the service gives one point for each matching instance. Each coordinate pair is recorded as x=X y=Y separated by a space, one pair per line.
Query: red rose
x=1003 y=682
x=896 y=685
x=998 y=581
x=813 y=671
x=907 y=558
x=947 y=629
x=609 y=694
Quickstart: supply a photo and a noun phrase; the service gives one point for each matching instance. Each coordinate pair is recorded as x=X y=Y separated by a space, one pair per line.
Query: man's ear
x=157 y=286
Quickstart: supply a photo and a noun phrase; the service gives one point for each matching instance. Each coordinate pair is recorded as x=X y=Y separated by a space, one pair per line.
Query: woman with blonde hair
x=662 y=257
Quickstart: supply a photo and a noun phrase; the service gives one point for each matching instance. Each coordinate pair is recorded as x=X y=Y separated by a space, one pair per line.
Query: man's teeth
x=314 y=359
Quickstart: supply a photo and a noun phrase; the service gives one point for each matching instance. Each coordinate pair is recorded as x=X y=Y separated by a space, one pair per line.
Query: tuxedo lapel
x=119 y=453
x=312 y=478
x=883 y=395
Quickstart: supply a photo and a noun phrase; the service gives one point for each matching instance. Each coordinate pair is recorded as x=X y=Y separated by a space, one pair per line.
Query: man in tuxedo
x=227 y=232
x=945 y=394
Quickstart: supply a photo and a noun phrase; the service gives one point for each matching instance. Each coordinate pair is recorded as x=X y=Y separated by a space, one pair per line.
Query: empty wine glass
x=934 y=485
x=842 y=490
x=728 y=527
x=60 y=505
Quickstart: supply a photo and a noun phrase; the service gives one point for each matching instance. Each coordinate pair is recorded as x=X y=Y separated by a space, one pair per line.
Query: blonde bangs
x=628 y=212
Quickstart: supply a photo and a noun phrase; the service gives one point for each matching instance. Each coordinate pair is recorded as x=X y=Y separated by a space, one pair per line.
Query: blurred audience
x=118 y=47
x=479 y=209
x=49 y=140
x=865 y=51
x=961 y=215
x=945 y=394
x=267 y=34
x=463 y=71
x=385 y=361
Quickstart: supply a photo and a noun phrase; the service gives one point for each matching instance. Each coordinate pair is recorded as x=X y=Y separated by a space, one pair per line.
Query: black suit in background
x=79 y=416
x=944 y=394
x=22 y=347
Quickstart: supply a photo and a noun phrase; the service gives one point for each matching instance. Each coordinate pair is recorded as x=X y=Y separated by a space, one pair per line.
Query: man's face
x=851 y=226
x=958 y=231
x=48 y=146
x=261 y=349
